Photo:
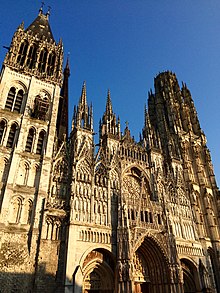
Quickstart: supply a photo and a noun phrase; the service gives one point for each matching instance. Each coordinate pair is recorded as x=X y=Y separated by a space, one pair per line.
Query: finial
x=41 y=8
x=48 y=11
x=126 y=122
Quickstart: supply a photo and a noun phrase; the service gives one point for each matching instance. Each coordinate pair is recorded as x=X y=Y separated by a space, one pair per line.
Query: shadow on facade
x=30 y=283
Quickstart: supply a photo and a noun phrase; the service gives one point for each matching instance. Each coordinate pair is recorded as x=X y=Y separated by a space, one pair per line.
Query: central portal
x=150 y=268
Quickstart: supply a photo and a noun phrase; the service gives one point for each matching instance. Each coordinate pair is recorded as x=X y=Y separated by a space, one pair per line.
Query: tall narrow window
x=11 y=136
x=32 y=56
x=22 y=53
x=40 y=142
x=51 y=63
x=30 y=208
x=18 y=101
x=30 y=140
x=2 y=130
x=4 y=172
x=10 y=99
x=26 y=174
x=42 y=61
x=16 y=212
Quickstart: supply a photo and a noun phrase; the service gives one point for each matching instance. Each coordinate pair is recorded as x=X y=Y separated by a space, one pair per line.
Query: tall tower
x=30 y=85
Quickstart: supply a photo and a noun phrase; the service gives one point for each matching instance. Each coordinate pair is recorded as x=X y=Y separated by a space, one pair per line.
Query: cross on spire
x=41 y=8
x=49 y=8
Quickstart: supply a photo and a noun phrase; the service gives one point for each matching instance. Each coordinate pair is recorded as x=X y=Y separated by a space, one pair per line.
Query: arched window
x=16 y=211
x=10 y=99
x=11 y=136
x=2 y=130
x=51 y=63
x=42 y=61
x=37 y=176
x=22 y=53
x=26 y=173
x=30 y=140
x=32 y=57
x=14 y=101
x=30 y=208
x=40 y=142
x=18 y=101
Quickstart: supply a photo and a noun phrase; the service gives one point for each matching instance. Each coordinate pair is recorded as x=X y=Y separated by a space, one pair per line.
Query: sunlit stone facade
x=123 y=216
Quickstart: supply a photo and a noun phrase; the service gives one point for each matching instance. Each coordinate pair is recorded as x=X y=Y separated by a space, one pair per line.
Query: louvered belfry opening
x=40 y=143
x=11 y=136
x=30 y=140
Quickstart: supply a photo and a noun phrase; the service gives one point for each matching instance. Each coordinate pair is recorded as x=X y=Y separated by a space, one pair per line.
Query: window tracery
x=42 y=60
x=22 y=53
x=32 y=56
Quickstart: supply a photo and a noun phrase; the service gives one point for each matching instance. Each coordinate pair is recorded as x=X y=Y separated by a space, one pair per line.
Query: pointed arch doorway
x=150 y=269
x=190 y=277
x=98 y=271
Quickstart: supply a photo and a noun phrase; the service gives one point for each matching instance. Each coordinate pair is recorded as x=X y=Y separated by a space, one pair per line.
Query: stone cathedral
x=120 y=217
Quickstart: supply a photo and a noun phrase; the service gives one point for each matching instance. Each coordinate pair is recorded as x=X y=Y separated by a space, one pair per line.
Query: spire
x=40 y=26
x=67 y=67
x=82 y=100
x=62 y=120
x=110 y=125
x=108 y=105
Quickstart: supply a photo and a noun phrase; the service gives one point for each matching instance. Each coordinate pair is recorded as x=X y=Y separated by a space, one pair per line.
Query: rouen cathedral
x=124 y=216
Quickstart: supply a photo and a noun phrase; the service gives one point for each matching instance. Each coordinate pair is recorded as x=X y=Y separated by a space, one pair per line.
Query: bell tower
x=30 y=87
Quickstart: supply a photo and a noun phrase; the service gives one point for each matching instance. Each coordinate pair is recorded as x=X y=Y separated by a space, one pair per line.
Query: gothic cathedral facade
x=126 y=217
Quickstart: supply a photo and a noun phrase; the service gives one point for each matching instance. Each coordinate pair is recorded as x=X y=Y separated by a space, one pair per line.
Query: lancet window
x=32 y=56
x=16 y=212
x=2 y=130
x=29 y=212
x=40 y=142
x=42 y=61
x=30 y=140
x=26 y=173
x=22 y=53
x=4 y=169
x=51 y=63
x=11 y=136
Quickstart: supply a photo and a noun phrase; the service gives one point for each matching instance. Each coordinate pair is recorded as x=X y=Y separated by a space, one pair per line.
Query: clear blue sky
x=124 y=44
